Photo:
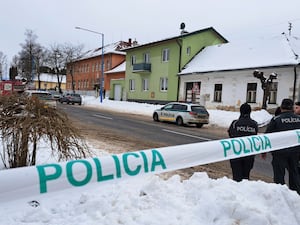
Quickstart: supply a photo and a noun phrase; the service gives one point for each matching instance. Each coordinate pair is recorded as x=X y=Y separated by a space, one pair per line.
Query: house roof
x=259 y=53
x=175 y=37
x=110 y=48
x=47 y=77
x=117 y=69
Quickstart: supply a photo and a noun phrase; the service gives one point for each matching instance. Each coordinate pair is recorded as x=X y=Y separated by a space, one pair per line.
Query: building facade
x=152 y=69
x=85 y=73
x=224 y=74
x=50 y=81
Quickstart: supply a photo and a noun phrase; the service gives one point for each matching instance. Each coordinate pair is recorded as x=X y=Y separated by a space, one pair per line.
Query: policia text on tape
x=35 y=180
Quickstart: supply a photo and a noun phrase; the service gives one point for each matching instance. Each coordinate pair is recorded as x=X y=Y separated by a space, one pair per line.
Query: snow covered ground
x=150 y=200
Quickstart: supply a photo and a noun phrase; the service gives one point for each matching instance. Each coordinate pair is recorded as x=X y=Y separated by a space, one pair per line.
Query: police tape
x=41 y=179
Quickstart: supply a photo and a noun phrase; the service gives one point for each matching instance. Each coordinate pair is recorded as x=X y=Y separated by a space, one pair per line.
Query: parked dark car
x=71 y=98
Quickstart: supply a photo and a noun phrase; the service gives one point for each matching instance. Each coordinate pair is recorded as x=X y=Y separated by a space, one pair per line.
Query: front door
x=117 y=92
x=192 y=93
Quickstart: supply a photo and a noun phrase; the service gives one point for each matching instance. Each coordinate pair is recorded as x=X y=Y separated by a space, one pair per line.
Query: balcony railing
x=141 y=67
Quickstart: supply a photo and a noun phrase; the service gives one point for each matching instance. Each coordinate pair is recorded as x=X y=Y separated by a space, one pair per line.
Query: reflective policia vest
x=244 y=126
x=285 y=121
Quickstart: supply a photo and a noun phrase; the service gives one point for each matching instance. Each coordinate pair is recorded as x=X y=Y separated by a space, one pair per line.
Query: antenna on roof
x=290 y=28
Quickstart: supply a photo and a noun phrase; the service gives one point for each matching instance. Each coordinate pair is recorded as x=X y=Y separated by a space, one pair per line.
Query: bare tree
x=72 y=53
x=56 y=60
x=3 y=64
x=28 y=56
x=265 y=85
x=13 y=70
x=25 y=121
x=40 y=60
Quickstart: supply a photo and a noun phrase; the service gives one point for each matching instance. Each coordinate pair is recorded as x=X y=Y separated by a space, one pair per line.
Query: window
x=163 y=84
x=132 y=85
x=188 y=50
x=251 y=92
x=108 y=64
x=218 y=93
x=168 y=107
x=165 y=55
x=146 y=58
x=133 y=59
x=179 y=107
x=145 y=85
x=273 y=93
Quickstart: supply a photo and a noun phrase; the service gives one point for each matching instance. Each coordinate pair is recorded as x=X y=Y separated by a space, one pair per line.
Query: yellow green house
x=152 y=69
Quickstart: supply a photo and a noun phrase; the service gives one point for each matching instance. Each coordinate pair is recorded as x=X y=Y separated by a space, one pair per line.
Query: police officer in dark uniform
x=244 y=126
x=286 y=158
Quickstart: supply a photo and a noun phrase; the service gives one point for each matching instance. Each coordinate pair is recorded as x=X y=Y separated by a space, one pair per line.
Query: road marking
x=104 y=117
x=188 y=135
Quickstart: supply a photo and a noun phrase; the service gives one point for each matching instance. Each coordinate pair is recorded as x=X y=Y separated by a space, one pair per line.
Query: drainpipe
x=295 y=83
x=179 y=42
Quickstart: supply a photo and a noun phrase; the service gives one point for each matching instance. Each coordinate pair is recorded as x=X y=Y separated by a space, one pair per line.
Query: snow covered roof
x=110 y=48
x=118 y=69
x=278 y=51
x=47 y=77
x=176 y=37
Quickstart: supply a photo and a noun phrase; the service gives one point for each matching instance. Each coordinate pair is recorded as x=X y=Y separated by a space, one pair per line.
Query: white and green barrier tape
x=35 y=180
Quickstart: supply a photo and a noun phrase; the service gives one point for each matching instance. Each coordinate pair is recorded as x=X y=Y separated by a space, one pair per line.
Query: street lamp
x=102 y=60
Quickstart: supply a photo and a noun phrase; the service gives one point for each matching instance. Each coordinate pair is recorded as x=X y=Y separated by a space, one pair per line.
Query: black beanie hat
x=287 y=104
x=245 y=109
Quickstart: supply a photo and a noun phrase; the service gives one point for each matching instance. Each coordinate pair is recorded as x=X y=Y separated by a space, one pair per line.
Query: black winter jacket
x=244 y=126
x=283 y=122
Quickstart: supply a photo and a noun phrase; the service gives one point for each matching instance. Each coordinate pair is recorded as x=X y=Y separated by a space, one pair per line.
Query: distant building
x=84 y=74
x=49 y=81
x=8 y=87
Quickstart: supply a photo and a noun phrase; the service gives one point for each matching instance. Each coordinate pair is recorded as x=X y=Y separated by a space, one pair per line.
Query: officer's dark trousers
x=241 y=167
x=289 y=161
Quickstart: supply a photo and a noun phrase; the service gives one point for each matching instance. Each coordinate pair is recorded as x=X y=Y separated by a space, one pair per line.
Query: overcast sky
x=54 y=21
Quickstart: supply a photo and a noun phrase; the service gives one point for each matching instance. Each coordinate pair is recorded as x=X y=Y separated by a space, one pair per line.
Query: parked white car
x=44 y=96
x=182 y=114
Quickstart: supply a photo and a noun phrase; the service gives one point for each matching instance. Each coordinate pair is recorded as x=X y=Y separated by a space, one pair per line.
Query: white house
x=49 y=81
x=221 y=76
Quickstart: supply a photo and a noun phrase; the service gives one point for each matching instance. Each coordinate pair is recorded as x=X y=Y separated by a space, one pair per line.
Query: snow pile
x=150 y=200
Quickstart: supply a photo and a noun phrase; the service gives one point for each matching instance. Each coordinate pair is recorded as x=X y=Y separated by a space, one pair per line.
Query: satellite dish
x=182 y=26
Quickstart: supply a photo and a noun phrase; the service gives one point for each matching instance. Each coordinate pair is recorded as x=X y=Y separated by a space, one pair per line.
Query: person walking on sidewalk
x=244 y=126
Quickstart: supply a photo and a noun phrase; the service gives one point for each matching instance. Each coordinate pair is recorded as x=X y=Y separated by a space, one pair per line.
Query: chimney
x=134 y=43
x=182 y=26
x=129 y=42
